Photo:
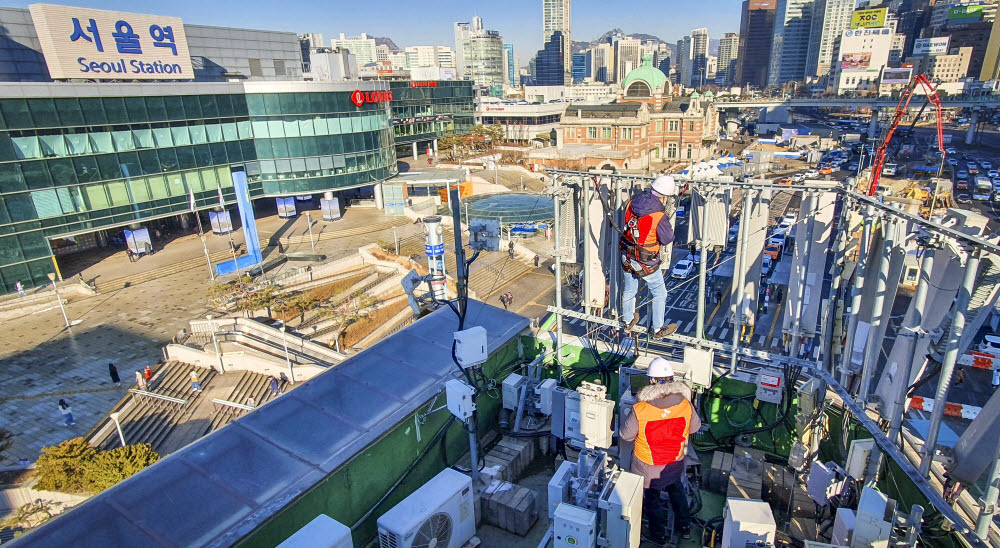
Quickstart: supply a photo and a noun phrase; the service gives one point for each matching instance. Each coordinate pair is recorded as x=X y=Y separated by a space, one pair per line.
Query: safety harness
x=638 y=242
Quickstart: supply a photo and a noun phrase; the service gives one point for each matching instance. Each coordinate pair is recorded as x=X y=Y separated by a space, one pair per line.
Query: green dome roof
x=646 y=72
x=696 y=95
x=709 y=94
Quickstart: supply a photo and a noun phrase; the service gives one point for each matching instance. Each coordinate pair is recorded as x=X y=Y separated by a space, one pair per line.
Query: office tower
x=729 y=48
x=362 y=47
x=315 y=39
x=830 y=19
x=790 y=45
x=382 y=52
x=661 y=58
x=991 y=59
x=549 y=68
x=429 y=56
x=508 y=50
x=683 y=61
x=479 y=53
x=968 y=24
x=602 y=63
x=628 y=51
x=699 y=58
x=579 y=67
x=555 y=18
x=756 y=35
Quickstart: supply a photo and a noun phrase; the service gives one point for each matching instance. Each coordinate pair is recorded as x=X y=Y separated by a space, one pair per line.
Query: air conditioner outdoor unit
x=439 y=514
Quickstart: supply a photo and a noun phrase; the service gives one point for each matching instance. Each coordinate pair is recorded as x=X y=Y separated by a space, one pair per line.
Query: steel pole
x=309 y=222
x=204 y=246
x=836 y=273
x=558 y=257
x=801 y=292
x=739 y=276
x=118 y=426
x=873 y=346
x=702 y=271
x=911 y=330
x=987 y=507
x=215 y=343
x=859 y=285
x=950 y=357
x=614 y=303
x=585 y=271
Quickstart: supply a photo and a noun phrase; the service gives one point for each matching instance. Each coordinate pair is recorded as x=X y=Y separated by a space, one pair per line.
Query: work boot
x=685 y=533
x=666 y=331
x=632 y=322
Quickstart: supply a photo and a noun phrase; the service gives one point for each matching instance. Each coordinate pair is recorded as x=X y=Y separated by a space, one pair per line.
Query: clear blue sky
x=429 y=22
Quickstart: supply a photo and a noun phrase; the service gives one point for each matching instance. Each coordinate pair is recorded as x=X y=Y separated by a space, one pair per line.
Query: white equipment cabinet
x=746 y=522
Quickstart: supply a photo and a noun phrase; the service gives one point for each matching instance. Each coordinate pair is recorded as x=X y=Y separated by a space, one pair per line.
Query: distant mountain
x=581 y=46
x=388 y=42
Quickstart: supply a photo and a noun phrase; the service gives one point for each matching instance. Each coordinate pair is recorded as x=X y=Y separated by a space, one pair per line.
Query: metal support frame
x=702 y=272
x=556 y=197
x=800 y=294
x=950 y=357
x=585 y=270
x=836 y=276
x=739 y=276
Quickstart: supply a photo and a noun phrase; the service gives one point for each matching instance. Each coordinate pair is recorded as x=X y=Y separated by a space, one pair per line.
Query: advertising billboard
x=961 y=14
x=896 y=75
x=105 y=45
x=870 y=19
x=855 y=61
x=931 y=46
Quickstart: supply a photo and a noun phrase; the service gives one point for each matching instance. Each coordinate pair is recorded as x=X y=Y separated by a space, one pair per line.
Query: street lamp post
x=118 y=425
x=52 y=278
x=284 y=342
x=215 y=343
x=309 y=222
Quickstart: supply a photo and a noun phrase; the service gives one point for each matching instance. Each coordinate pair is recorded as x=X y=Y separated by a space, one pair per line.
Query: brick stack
x=509 y=458
x=510 y=507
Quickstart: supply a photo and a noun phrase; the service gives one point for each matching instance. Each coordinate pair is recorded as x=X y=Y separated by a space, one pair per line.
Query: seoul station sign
x=83 y=43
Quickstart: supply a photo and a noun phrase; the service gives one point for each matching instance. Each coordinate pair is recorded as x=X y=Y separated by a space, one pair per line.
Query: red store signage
x=361 y=97
x=431 y=84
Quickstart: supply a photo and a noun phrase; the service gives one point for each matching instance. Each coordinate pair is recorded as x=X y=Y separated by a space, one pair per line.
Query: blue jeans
x=68 y=419
x=657 y=288
x=195 y=385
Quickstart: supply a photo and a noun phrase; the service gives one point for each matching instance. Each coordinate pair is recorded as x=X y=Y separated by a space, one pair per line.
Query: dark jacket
x=662 y=395
x=644 y=204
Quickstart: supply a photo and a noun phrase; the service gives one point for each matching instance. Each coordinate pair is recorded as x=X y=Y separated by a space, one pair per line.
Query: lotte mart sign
x=111 y=45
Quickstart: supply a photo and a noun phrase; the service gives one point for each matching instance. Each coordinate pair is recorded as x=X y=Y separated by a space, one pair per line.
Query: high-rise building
x=602 y=63
x=479 y=53
x=991 y=60
x=382 y=52
x=943 y=15
x=756 y=35
x=429 y=56
x=790 y=44
x=628 y=52
x=579 y=67
x=549 y=68
x=729 y=48
x=830 y=19
x=508 y=51
x=315 y=39
x=699 y=58
x=661 y=58
x=362 y=47
x=913 y=16
x=555 y=18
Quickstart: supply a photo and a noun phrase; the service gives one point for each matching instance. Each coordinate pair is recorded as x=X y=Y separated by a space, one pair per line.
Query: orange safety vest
x=663 y=433
x=638 y=240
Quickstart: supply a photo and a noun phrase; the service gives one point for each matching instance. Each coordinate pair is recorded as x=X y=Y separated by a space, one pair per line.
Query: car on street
x=952 y=162
x=798 y=178
x=993 y=173
x=990 y=345
x=766 y=266
x=962 y=174
x=950 y=150
x=682 y=269
x=782 y=229
x=811 y=174
x=773 y=249
x=973 y=170
x=962 y=197
x=962 y=184
x=986 y=164
x=825 y=170
x=853 y=166
x=734 y=232
x=785 y=182
x=996 y=185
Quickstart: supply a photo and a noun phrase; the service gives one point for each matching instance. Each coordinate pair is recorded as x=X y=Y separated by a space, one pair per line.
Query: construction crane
x=901 y=108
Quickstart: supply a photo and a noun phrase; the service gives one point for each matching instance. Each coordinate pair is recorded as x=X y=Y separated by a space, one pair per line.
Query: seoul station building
x=109 y=120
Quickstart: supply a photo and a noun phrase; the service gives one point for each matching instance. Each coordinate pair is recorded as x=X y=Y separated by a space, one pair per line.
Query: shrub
x=74 y=466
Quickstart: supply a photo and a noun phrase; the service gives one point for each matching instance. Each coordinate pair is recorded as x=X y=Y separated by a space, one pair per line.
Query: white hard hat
x=664 y=185
x=660 y=368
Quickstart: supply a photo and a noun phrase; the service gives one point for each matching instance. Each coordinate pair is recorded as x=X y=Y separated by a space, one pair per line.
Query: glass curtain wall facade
x=96 y=156
x=424 y=112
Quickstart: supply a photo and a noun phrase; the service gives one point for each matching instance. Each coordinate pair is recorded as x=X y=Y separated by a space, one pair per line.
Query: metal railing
x=234 y=405
x=154 y=395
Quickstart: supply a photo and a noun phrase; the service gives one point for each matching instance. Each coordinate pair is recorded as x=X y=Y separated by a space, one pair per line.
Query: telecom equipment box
x=746 y=522
x=512 y=390
x=574 y=527
x=459 y=399
x=770 y=383
x=589 y=415
x=470 y=346
x=544 y=391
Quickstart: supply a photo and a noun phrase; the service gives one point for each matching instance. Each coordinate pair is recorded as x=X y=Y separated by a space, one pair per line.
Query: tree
x=495 y=134
x=110 y=467
x=62 y=467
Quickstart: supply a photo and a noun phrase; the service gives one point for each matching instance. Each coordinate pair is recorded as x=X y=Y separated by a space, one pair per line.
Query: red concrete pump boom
x=901 y=107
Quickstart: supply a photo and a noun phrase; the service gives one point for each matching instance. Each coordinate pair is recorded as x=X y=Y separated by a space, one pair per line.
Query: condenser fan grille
x=434 y=533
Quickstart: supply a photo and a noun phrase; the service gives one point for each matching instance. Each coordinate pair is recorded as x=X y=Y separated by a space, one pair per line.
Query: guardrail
x=170 y=399
x=232 y=404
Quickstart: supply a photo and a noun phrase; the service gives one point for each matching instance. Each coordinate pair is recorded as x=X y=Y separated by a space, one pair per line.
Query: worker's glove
x=670 y=207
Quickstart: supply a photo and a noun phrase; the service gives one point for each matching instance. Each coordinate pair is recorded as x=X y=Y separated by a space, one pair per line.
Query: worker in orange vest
x=659 y=425
x=646 y=228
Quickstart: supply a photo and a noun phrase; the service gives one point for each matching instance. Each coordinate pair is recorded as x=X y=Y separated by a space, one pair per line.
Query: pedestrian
x=718 y=296
x=503 y=300
x=996 y=378
x=195 y=383
x=275 y=388
x=67 y=412
x=510 y=249
x=536 y=261
x=959 y=376
x=113 y=371
x=147 y=373
x=140 y=381
x=20 y=286
x=130 y=255
x=646 y=229
x=510 y=299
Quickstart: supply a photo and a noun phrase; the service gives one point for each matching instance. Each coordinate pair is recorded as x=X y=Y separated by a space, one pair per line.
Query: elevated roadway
x=990 y=101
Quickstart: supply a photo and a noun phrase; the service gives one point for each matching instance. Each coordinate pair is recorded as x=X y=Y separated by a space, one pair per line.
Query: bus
x=983 y=189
